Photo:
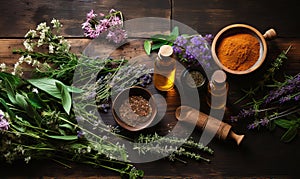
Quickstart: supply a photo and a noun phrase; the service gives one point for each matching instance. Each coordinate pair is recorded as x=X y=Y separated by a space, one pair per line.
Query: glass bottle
x=217 y=90
x=164 y=69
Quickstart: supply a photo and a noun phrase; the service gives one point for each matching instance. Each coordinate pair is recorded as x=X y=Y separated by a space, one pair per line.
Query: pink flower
x=91 y=15
x=93 y=27
x=116 y=35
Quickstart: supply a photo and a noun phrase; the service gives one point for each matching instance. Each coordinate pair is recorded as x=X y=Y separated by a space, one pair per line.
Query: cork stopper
x=219 y=77
x=165 y=51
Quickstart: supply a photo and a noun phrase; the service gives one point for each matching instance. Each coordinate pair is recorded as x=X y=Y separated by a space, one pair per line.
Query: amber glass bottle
x=217 y=90
x=164 y=69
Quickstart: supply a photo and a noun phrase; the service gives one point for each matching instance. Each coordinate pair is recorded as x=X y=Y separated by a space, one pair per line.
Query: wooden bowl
x=124 y=96
x=242 y=29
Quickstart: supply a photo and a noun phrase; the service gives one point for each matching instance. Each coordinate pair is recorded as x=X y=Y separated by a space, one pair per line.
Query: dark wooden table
x=261 y=155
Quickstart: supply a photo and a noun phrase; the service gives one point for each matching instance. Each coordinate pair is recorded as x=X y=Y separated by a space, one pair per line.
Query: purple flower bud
x=80 y=134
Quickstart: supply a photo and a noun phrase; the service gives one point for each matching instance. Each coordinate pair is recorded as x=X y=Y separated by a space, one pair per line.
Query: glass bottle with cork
x=164 y=69
x=217 y=90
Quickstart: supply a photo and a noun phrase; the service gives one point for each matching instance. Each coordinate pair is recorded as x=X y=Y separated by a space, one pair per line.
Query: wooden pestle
x=189 y=114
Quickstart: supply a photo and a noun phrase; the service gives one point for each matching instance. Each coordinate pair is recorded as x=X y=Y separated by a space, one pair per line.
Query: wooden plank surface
x=17 y=17
x=208 y=16
x=262 y=155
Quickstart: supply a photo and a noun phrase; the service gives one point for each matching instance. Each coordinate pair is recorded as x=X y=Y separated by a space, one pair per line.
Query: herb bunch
x=36 y=125
x=37 y=116
x=268 y=77
x=279 y=107
x=158 y=145
x=192 y=50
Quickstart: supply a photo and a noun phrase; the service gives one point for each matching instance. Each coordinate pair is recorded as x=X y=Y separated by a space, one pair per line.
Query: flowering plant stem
x=279 y=106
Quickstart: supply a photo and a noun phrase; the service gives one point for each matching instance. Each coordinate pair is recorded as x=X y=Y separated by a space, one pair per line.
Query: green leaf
x=11 y=94
x=62 y=132
x=48 y=85
x=67 y=126
x=64 y=137
x=147 y=46
x=8 y=110
x=73 y=89
x=66 y=97
x=35 y=101
x=289 y=134
x=158 y=45
x=21 y=101
x=283 y=123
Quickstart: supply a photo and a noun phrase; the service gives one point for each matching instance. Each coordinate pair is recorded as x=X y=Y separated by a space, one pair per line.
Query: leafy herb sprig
x=279 y=107
x=268 y=77
x=158 y=40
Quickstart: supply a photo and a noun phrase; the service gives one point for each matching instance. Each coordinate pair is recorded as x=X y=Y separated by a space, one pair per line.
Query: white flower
x=17 y=69
x=40 y=42
x=56 y=23
x=51 y=48
x=31 y=34
x=21 y=59
x=35 y=90
x=28 y=59
x=28 y=45
x=27 y=159
x=88 y=149
x=3 y=67
x=41 y=26
x=35 y=63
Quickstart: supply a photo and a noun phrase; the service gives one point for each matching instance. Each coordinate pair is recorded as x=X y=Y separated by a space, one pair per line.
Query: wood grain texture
x=209 y=16
x=17 y=17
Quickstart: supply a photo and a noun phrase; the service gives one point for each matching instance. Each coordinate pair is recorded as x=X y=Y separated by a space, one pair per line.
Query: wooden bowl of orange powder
x=240 y=48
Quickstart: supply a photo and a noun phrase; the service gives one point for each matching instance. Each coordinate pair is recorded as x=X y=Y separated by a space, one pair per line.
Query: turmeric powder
x=238 y=52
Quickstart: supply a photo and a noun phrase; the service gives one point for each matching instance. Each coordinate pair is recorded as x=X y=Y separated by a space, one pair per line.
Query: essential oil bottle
x=217 y=90
x=164 y=69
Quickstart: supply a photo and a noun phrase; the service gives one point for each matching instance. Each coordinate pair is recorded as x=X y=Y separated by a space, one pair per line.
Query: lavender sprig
x=268 y=76
x=194 y=50
x=279 y=105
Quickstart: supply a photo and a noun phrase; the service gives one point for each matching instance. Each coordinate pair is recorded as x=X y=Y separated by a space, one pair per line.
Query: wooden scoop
x=189 y=114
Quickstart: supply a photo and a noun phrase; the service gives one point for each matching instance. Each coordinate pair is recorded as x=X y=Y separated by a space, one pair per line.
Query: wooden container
x=239 y=29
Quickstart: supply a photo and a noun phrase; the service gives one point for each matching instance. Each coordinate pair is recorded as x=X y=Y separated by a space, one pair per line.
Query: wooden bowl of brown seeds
x=134 y=108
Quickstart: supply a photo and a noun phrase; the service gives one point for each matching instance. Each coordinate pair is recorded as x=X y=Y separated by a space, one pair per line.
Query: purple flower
x=195 y=50
x=244 y=113
x=112 y=23
x=265 y=121
x=252 y=126
x=181 y=41
x=285 y=99
x=4 y=125
x=284 y=93
x=80 y=134
x=297 y=98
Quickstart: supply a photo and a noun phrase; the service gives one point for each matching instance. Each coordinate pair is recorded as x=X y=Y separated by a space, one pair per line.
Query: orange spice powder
x=238 y=52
